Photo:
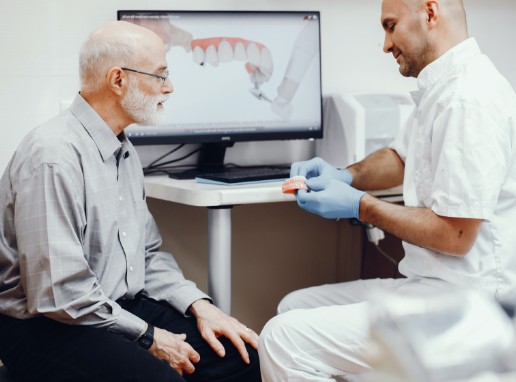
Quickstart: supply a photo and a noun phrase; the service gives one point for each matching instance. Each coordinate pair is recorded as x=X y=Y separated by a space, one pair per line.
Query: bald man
x=85 y=293
x=456 y=161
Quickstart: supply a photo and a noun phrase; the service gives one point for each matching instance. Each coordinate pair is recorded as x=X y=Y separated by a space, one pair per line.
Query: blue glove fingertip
x=315 y=184
x=294 y=169
x=301 y=195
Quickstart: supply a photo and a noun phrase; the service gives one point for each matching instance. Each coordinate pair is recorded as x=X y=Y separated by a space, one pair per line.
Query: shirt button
x=131 y=268
x=121 y=198
x=124 y=234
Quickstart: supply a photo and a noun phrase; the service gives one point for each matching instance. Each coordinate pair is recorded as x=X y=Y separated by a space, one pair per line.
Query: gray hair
x=100 y=53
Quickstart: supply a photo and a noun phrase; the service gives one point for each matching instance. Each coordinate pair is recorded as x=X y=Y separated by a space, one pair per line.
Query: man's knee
x=277 y=335
x=280 y=342
x=291 y=301
x=307 y=298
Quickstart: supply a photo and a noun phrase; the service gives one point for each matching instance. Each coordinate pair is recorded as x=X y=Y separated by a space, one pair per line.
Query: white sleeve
x=472 y=153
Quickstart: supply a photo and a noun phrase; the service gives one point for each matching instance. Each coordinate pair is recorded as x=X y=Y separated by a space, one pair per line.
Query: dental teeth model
x=291 y=185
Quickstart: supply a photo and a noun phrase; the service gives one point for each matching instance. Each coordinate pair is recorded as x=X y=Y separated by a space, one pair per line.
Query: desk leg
x=219 y=254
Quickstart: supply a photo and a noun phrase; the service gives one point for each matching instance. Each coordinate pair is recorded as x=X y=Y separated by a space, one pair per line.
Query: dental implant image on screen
x=304 y=50
x=217 y=50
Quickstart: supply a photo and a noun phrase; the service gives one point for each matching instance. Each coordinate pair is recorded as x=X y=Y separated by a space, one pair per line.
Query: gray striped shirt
x=76 y=234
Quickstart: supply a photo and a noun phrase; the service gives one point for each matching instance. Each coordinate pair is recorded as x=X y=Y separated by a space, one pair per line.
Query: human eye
x=389 y=25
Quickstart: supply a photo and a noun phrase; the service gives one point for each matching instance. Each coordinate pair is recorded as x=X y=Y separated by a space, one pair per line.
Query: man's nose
x=167 y=87
x=387 y=44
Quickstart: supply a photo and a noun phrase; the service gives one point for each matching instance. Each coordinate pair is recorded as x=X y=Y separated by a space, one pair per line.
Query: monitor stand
x=211 y=159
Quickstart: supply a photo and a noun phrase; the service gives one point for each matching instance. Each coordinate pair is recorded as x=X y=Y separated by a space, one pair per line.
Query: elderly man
x=456 y=160
x=85 y=293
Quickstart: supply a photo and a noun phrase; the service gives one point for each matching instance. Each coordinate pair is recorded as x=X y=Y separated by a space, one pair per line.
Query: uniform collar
x=104 y=138
x=444 y=66
x=450 y=62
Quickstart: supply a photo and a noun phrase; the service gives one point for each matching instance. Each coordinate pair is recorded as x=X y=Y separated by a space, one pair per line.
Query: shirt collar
x=104 y=138
x=448 y=63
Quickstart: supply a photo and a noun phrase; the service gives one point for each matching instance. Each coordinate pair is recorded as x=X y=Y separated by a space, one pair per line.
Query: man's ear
x=116 y=80
x=432 y=12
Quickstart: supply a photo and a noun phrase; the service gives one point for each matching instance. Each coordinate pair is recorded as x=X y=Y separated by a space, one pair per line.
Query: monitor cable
x=162 y=167
x=170 y=152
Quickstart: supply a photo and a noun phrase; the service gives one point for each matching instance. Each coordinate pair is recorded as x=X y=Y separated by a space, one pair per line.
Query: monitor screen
x=237 y=76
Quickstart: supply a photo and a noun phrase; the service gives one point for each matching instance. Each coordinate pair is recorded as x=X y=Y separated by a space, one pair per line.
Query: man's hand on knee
x=175 y=350
x=213 y=323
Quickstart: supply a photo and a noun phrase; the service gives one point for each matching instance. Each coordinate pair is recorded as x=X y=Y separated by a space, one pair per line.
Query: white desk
x=219 y=200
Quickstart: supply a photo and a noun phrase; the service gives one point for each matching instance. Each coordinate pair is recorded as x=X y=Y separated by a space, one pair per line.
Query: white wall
x=40 y=40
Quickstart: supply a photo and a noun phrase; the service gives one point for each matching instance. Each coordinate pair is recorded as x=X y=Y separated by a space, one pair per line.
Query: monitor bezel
x=238 y=137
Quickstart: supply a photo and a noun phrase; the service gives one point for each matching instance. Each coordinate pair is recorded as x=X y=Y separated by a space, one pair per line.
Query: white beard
x=143 y=108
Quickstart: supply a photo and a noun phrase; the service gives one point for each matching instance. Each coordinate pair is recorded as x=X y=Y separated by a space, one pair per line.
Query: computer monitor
x=237 y=76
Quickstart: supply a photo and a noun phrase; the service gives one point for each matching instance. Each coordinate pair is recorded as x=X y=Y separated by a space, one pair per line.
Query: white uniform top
x=459 y=150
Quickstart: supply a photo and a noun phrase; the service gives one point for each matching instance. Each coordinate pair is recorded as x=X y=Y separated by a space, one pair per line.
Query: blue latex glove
x=318 y=167
x=330 y=199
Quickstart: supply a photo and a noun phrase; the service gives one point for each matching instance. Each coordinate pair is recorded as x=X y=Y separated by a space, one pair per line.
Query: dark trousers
x=41 y=349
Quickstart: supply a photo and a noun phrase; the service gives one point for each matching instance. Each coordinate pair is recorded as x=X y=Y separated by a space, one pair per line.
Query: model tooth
x=211 y=55
x=225 y=51
x=198 y=55
x=253 y=54
x=259 y=78
x=240 y=53
x=266 y=64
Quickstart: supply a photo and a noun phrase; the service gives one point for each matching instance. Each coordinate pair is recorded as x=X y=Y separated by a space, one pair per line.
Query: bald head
x=118 y=43
x=417 y=32
x=451 y=11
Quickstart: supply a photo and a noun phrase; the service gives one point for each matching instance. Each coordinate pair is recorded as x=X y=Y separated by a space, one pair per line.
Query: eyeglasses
x=162 y=78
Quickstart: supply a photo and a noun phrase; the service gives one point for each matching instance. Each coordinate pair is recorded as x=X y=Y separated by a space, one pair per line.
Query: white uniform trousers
x=321 y=333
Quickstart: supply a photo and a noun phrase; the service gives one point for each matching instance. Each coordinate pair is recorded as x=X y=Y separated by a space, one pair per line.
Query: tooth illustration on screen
x=253 y=54
x=257 y=58
x=212 y=56
x=225 y=51
x=215 y=50
x=198 y=55
x=240 y=53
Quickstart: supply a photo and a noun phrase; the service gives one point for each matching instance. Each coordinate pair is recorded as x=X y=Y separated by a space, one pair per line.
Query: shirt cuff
x=129 y=325
x=186 y=296
x=462 y=211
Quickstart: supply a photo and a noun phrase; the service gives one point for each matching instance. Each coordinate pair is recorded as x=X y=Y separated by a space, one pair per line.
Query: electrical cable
x=388 y=257
x=368 y=228
x=162 y=166
x=181 y=158
x=153 y=163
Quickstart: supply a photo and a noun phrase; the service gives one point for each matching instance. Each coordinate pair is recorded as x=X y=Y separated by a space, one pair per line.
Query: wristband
x=146 y=339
